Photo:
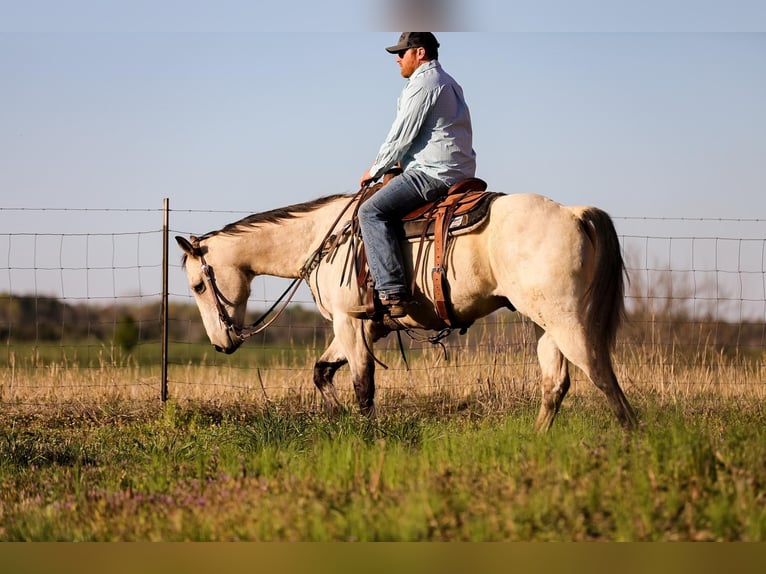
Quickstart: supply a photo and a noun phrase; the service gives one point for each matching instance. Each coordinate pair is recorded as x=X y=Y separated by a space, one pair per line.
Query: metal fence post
x=165 y=231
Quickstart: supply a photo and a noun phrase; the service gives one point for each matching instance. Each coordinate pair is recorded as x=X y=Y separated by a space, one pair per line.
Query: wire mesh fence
x=81 y=319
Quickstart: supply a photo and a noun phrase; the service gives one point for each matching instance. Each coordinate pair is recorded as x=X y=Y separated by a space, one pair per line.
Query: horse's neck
x=282 y=249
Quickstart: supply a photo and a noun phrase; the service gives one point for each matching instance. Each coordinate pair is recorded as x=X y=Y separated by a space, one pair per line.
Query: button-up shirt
x=432 y=130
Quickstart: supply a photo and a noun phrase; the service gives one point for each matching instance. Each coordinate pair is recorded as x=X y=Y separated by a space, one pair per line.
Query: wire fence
x=91 y=309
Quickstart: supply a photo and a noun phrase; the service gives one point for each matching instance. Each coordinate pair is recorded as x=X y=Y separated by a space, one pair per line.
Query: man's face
x=409 y=60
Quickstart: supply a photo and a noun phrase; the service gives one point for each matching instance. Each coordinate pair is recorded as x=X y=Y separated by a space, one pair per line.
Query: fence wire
x=80 y=318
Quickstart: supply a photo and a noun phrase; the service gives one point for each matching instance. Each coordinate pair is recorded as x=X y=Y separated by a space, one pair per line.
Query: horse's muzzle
x=228 y=350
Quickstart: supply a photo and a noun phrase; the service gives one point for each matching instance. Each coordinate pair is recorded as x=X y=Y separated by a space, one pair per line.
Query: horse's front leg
x=348 y=346
x=324 y=371
x=356 y=338
x=364 y=387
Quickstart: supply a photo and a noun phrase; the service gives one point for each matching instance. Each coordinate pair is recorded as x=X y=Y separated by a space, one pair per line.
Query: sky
x=647 y=110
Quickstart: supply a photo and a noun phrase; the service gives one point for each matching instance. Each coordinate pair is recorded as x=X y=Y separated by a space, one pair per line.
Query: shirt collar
x=425 y=66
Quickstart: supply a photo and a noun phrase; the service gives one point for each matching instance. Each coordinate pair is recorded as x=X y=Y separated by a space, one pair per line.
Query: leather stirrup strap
x=364 y=279
x=442 y=219
x=369 y=300
x=439 y=270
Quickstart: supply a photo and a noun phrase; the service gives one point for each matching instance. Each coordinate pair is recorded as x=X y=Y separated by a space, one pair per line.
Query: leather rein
x=244 y=333
x=260 y=324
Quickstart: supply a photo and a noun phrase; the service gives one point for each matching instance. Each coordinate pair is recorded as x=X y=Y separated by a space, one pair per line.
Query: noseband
x=236 y=333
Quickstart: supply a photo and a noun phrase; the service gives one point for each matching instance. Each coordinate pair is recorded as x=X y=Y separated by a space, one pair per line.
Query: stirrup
x=360 y=312
x=398 y=307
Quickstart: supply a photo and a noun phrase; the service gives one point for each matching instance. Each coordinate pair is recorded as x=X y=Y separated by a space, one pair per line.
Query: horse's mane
x=273 y=216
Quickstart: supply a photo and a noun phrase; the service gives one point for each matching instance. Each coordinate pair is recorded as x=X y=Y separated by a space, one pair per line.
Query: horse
x=560 y=266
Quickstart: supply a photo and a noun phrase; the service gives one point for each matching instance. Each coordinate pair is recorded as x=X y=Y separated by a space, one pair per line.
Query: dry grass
x=479 y=373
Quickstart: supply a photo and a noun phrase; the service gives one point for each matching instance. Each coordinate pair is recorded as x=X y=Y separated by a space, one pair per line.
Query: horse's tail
x=605 y=297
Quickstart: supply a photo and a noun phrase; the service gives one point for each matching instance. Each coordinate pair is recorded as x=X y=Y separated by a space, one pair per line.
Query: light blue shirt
x=432 y=130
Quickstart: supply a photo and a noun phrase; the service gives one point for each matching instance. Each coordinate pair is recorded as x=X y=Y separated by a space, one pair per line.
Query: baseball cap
x=414 y=40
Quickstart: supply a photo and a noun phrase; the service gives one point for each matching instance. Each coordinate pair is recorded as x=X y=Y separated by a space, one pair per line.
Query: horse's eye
x=199 y=288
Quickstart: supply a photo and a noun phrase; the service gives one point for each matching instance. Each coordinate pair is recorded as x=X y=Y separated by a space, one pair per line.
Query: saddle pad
x=471 y=212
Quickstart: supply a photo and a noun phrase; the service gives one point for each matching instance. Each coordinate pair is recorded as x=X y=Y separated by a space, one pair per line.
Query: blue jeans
x=380 y=219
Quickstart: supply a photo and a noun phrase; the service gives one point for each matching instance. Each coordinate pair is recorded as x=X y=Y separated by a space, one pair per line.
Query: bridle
x=241 y=334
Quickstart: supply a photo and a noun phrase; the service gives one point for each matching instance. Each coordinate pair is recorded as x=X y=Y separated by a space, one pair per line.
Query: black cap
x=414 y=40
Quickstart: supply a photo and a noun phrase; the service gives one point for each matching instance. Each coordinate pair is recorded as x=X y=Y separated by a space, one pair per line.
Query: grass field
x=247 y=454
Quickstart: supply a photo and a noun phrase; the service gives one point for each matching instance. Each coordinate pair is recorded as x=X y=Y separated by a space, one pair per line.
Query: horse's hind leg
x=596 y=363
x=324 y=371
x=555 y=381
x=602 y=375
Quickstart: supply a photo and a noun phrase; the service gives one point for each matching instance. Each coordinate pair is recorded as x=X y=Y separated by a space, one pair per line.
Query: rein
x=244 y=333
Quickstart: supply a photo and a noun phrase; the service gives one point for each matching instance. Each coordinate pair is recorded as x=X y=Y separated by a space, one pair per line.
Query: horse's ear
x=186 y=246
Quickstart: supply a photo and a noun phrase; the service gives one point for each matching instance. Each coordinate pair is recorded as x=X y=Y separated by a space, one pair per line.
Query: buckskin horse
x=560 y=266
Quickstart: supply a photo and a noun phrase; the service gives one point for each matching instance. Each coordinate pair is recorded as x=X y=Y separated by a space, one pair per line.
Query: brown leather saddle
x=464 y=209
x=466 y=203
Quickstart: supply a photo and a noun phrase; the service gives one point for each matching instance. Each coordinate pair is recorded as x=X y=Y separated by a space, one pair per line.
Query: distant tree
x=126 y=332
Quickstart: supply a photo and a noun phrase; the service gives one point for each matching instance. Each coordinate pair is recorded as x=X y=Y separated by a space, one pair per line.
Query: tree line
x=48 y=319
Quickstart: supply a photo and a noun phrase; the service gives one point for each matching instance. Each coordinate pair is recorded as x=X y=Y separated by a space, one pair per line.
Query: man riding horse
x=560 y=266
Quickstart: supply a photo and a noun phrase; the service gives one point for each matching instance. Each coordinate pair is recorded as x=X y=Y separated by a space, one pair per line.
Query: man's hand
x=366 y=179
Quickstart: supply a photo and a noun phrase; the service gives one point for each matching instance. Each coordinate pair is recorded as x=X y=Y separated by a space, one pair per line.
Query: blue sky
x=655 y=111
x=118 y=107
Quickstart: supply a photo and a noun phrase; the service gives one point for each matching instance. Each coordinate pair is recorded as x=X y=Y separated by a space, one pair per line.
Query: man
x=431 y=140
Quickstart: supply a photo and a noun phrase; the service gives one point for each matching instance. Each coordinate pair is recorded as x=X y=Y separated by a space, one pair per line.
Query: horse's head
x=220 y=288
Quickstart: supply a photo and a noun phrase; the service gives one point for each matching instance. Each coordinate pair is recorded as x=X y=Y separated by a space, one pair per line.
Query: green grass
x=98 y=354
x=695 y=471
